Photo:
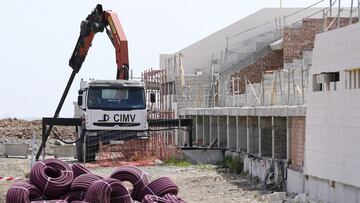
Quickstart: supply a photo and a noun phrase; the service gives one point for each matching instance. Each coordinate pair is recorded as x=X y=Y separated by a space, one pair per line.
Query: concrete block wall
x=266 y=136
x=280 y=137
x=194 y=91
x=253 y=130
x=222 y=131
x=199 y=129
x=232 y=137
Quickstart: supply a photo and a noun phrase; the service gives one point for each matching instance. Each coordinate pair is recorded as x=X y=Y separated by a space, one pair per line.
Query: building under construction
x=277 y=88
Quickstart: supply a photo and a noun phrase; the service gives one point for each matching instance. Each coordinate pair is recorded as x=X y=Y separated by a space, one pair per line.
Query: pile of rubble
x=13 y=128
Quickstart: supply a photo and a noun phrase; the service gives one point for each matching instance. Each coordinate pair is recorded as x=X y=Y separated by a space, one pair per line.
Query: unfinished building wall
x=222 y=131
x=192 y=91
x=297 y=132
x=253 y=72
x=214 y=132
x=253 y=130
x=241 y=133
x=280 y=137
x=231 y=133
x=206 y=129
x=301 y=37
x=200 y=129
x=266 y=136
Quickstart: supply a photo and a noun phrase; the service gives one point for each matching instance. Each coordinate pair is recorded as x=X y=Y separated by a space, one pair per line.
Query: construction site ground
x=197 y=183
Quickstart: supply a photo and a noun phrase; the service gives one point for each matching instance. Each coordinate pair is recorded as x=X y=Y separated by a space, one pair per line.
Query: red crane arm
x=98 y=21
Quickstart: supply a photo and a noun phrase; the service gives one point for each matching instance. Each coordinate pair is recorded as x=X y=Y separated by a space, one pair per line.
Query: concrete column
x=287 y=138
x=203 y=129
x=228 y=131
x=259 y=127
x=272 y=137
x=200 y=129
x=206 y=130
x=237 y=133
x=210 y=129
x=196 y=130
x=247 y=135
x=218 y=131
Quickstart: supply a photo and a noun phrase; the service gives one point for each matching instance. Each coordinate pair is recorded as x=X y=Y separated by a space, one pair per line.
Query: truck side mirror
x=80 y=100
x=152 y=97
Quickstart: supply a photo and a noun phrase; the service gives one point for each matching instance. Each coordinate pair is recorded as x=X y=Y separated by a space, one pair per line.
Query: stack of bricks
x=297 y=132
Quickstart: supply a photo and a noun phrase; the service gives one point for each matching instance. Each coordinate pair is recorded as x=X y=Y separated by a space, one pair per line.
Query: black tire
x=92 y=147
x=79 y=149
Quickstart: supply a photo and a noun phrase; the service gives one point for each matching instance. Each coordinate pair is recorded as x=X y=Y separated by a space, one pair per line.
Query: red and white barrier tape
x=9 y=178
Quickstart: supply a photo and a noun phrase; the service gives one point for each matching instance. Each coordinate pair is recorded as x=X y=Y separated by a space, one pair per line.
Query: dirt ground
x=200 y=183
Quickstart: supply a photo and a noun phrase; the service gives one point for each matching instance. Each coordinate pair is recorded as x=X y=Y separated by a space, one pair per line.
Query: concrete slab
x=203 y=156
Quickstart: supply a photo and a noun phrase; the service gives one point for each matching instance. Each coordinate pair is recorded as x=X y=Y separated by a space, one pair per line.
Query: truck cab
x=110 y=110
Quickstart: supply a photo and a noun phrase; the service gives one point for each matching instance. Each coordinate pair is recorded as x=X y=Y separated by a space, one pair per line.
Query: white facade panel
x=332 y=143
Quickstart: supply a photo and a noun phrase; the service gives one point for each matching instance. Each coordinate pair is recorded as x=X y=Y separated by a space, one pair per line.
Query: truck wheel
x=92 y=147
x=79 y=149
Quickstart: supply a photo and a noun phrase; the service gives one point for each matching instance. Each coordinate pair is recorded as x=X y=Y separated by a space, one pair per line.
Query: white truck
x=110 y=110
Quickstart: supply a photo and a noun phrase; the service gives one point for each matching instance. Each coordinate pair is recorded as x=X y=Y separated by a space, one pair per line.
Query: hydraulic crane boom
x=98 y=21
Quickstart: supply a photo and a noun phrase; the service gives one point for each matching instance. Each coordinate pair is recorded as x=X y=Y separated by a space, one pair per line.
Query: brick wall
x=253 y=72
x=298 y=39
x=297 y=134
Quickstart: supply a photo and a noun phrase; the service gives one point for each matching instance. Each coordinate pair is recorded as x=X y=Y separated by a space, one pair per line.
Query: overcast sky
x=37 y=38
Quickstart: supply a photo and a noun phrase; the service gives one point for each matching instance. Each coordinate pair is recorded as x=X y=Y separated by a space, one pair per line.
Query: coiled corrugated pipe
x=83 y=182
x=111 y=190
x=51 y=201
x=159 y=187
x=79 y=170
x=155 y=199
x=135 y=176
x=22 y=192
x=173 y=198
x=52 y=176
x=75 y=196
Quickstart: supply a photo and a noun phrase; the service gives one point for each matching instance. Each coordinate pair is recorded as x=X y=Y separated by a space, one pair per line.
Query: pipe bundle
x=173 y=198
x=108 y=190
x=160 y=187
x=51 y=201
x=83 y=182
x=23 y=192
x=155 y=199
x=135 y=176
x=52 y=177
x=54 y=181
x=79 y=170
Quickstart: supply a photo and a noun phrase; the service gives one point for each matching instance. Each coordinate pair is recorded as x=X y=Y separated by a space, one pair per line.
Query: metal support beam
x=57 y=112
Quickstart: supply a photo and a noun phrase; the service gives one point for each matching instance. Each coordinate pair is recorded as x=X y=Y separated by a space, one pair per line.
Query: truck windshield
x=110 y=98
